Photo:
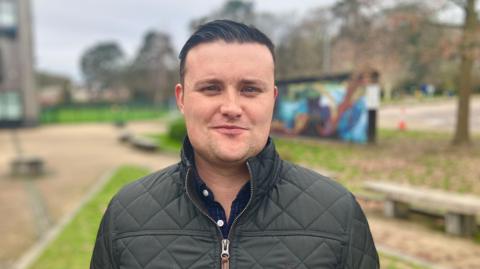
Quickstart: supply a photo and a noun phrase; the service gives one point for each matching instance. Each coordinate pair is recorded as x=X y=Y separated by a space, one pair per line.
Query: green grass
x=391 y=262
x=73 y=247
x=414 y=157
x=99 y=114
x=166 y=144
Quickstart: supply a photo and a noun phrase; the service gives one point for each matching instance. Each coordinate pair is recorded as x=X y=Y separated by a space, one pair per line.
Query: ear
x=179 y=96
x=275 y=92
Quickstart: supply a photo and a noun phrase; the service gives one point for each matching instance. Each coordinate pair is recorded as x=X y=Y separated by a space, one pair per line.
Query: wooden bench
x=143 y=143
x=459 y=210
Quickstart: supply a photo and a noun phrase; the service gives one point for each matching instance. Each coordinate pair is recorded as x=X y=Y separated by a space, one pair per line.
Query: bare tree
x=101 y=64
x=303 y=50
x=467 y=48
x=237 y=10
x=152 y=73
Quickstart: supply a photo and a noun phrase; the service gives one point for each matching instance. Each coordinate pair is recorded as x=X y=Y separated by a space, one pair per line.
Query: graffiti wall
x=323 y=109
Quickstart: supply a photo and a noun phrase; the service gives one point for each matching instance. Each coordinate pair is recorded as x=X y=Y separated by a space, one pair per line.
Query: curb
x=37 y=249
x=408 y=258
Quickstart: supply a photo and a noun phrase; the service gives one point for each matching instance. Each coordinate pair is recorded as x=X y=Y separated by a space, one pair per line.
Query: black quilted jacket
x=295 y=218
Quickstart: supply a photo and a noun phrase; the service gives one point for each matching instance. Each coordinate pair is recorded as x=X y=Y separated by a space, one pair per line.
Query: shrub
x=177 y=130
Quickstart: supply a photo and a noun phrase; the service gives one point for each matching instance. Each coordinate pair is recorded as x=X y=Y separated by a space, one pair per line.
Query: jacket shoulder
x=147 y=183
x=140 y=204
x=305 y=178
x=330 y=208
x=320 y=203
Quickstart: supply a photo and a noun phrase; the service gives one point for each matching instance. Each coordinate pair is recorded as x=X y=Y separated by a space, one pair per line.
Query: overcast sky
x=64 y=29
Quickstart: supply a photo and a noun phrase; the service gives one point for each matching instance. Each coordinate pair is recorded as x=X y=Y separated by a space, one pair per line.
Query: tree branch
x=459 y=3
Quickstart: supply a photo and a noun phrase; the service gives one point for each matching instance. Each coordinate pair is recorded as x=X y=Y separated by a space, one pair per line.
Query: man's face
x=227 y=99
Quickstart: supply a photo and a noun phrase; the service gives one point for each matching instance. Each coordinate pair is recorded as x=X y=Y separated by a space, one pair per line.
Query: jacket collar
x=263 y=168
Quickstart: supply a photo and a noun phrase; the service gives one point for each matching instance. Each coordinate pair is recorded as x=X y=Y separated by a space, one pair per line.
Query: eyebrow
x=209 y=80
x=242 y=82
x=253 y=81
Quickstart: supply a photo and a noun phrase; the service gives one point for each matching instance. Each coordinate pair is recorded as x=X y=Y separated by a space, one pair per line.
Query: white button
x=220 y=223
x=205 y=193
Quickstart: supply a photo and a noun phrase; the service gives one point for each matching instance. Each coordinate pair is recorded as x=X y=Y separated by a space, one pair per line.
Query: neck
x=225 y=181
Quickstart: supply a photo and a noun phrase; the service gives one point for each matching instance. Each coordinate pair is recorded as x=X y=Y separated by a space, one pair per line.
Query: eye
x=251 y=90
x=210 y=89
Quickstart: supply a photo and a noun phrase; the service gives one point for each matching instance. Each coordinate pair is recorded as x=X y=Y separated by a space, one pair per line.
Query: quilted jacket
x=295 y=218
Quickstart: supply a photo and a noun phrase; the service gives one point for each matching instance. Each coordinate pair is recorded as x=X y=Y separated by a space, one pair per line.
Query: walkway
x=75 y=156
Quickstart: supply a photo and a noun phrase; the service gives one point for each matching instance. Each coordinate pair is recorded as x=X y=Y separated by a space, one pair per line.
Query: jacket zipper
x=225 y=245
x=226 y=242
x=225 y=250
x=225 y=255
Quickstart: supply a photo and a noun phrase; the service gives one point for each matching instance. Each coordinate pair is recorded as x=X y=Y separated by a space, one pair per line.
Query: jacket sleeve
x=101 y=257
x=361 y=252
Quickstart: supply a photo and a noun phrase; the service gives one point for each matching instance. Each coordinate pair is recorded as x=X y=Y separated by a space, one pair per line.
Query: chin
x=232 y=158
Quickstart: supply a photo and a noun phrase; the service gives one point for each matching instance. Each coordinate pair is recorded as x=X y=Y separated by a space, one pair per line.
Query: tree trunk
x=462 y=133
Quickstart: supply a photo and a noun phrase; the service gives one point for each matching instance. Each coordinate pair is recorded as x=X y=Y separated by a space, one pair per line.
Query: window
x=10 y=106
x=8 y=17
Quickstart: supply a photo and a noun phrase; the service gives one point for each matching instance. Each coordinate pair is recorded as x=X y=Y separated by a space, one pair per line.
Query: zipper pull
x=225 y=255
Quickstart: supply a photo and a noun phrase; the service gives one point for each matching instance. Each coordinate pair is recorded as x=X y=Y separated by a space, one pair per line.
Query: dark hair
x=226 y=30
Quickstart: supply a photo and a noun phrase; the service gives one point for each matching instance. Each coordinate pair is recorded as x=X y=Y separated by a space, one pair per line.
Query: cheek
x=262 y=114
x=198 y=111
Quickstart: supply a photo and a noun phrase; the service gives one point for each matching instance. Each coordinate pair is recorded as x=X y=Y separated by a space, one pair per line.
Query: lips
x=229 y=129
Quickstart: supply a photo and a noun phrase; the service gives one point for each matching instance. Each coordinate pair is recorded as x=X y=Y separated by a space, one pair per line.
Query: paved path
x=433 y=115
x=78 y=155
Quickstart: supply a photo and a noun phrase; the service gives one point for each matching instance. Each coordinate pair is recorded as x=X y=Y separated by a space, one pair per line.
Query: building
x=18 y=101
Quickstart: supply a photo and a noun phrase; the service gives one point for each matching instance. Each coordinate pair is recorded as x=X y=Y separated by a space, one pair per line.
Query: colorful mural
x=321 y=109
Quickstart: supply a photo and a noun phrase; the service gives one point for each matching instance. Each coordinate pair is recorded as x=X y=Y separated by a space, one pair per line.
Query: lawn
x=104 y=113
x=73 y=248
x=166 y=144
x=390 y=262
x=413 y=157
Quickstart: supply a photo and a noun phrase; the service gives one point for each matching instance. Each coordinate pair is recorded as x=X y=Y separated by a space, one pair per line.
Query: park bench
x=143 y=143
x=124 y=136
x=459 y=210
x=27 y=166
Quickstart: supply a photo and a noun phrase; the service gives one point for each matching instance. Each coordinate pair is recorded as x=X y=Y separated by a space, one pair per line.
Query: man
x=232 y=202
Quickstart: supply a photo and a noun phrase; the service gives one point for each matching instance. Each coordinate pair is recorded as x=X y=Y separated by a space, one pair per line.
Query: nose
x=230 y=107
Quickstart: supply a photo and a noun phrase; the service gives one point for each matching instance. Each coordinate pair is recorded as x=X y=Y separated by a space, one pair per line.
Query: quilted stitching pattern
x=286 y=252
x=151 y=252
x=298 y=220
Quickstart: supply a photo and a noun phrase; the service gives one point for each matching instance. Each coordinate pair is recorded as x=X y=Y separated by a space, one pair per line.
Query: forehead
x=220 y=55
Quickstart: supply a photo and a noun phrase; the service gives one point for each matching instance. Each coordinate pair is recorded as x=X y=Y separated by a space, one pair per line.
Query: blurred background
x=87 y=105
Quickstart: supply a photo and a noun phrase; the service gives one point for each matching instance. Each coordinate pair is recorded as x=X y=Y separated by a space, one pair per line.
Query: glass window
x=10 y=106
x=8 y=14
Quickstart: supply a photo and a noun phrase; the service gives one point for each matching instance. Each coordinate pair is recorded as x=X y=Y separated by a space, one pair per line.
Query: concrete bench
x=143 y=143
x=124 y=136
x=27 y=166
x=459 y=210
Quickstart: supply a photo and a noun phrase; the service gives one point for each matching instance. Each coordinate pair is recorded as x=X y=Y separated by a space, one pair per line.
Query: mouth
x=229 y=129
